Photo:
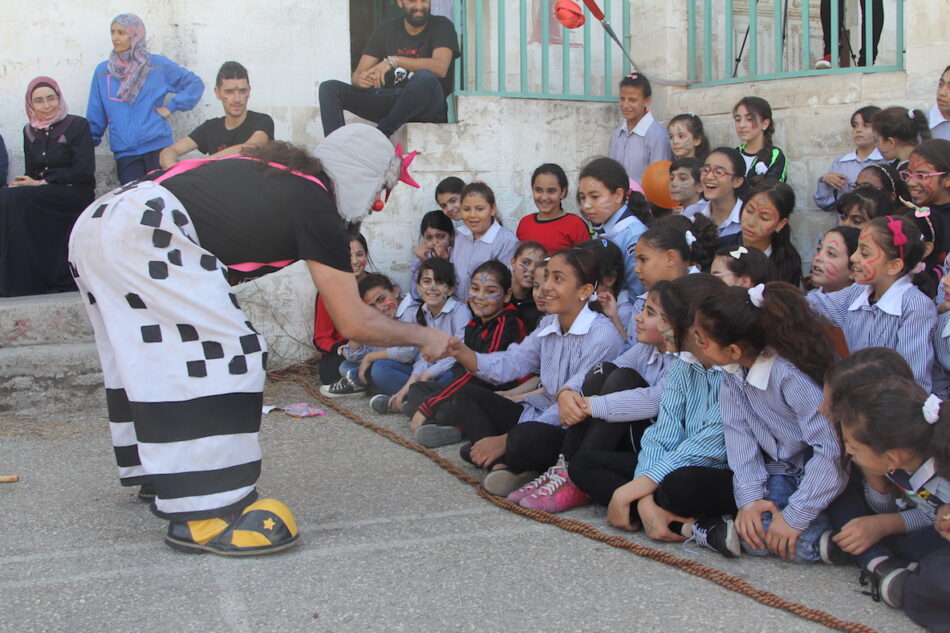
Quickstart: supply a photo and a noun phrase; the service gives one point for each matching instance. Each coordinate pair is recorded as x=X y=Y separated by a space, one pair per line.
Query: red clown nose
x=569 y=14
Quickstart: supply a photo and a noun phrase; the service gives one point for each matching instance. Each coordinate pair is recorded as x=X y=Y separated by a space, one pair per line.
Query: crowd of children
x=675 y=366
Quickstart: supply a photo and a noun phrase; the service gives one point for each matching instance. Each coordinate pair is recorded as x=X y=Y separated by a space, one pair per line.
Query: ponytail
x=784 y=321
x=907 y=126
x=670 y=234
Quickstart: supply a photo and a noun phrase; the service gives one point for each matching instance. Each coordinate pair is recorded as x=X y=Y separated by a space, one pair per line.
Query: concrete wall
x=288 y=47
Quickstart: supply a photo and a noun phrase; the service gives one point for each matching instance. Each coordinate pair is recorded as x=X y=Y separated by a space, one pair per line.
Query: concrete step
x=44 y=320
x=49 y=378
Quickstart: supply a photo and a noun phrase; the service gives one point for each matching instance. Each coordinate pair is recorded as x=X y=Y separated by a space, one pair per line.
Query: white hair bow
x=739 y=252
x=931 y=409
x=690 y=238
x=757 y=295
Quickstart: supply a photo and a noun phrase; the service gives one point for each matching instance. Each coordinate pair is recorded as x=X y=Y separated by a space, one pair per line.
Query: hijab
x=35 y=121
x=131 y=68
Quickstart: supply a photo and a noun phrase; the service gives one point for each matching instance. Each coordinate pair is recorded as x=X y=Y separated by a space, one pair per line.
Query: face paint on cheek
x=831 y=269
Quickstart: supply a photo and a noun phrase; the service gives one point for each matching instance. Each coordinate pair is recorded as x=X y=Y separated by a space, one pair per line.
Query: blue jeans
x=131 y=168
x=389 y=376
x=421 y=99
x=779 y=489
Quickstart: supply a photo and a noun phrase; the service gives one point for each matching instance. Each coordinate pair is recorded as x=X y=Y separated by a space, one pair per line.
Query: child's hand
x=835 y=180
x=608 y=303
x=861 y=533
x=443 y=251
x=488 y=449
x=422 y=251
x=365 y=364
x=781 y=537
x=618 y=510
x=942 y=524
x=749 y=522
x=572 y=407
x=656 y=521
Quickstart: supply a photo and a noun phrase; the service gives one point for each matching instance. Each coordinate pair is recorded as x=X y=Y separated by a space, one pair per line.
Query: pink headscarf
x=131 y=68
x=35 y=121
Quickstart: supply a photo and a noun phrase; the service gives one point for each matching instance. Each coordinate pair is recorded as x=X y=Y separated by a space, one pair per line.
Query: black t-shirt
x=390 y=38
x=245 y=213
x=211 y=136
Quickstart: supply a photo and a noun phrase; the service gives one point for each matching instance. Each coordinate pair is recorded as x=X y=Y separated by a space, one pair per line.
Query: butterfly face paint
x=433 y=293
x=486 y=297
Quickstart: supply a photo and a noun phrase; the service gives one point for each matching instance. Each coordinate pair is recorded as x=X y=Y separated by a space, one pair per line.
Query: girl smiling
x=552 y=226
x=481 y=237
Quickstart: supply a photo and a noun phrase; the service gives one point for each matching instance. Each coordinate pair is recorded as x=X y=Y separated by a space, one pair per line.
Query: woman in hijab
x=128 y=96
x=38 y=209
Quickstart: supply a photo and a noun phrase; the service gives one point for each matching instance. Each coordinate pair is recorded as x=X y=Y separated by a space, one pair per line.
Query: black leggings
x=877 y=25
x=536 y=446
x=482 y=413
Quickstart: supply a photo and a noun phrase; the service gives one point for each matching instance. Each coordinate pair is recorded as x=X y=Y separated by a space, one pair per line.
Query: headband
x=739 y=252
x=889 y=178
x=931 y=409
x=757 y=295
x=898 y=230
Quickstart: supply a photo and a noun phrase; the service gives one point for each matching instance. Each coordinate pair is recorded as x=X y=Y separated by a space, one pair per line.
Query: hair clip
x=757 y=295
x=690 y=238
x=910 y=114
x=633 y=76
x=898 y=230
x=931 y=409
x=739 y=252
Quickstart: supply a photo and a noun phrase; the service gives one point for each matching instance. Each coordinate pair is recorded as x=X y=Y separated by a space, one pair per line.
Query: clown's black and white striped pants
x=184 y=369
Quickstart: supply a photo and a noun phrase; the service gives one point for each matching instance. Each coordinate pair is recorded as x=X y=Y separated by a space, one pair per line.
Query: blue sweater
x=136 y=128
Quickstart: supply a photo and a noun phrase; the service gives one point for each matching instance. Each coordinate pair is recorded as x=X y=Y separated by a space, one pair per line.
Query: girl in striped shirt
x=884 y=308
x=567 y=343
x=783 y=452
x=680 y=467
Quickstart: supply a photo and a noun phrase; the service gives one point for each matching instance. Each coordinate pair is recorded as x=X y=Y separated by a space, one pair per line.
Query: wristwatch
x=392 y=62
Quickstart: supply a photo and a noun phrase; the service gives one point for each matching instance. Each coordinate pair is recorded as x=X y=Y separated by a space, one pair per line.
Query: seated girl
x=481 y=237
x=567 y=343
x=607 y=410
x=378 y=292
x=393 y=370
x=680 y=470
x=884 y=307
x=552 y=226
x=784 y=454
x=523 y=265
x=326 y=339
x=436 y=238
x=765 y=216
x=612 y=298
x=741 y=266
x=496 y=324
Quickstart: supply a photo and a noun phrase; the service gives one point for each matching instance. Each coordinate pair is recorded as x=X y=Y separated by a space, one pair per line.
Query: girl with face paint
x=774 y=354
x=436 y=239
x=496 y=325
x=927 y=175
x=831 y=265
x=523 y=266
x=886 y=306
x=677 y=468
x=437 y=308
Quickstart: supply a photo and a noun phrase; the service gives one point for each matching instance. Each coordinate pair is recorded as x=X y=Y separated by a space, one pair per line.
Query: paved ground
x=391 y=542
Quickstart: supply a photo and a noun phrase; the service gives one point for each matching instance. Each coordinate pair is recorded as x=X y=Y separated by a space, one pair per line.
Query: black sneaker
x=886 y=582
x=380 y=403
x=342 y=387
x=718 y=534
x=434 y=435
x=829 y=551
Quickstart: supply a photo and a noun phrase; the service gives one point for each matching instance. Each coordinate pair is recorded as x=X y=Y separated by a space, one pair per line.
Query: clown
x=183 y=367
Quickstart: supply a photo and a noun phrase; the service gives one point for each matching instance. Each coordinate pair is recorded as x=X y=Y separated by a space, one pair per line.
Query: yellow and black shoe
x=264 y=527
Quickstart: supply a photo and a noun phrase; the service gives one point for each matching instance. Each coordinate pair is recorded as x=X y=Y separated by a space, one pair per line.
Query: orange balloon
x=656 y=184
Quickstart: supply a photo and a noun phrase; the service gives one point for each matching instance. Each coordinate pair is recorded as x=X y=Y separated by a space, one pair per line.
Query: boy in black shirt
x=404 y=75
x=225 y=135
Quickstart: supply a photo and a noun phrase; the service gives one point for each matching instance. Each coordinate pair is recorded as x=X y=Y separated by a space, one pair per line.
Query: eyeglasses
x=719 y=172
x=911 y=176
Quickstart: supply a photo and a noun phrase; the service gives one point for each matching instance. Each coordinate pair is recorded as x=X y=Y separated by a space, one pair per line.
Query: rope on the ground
x=303 y=376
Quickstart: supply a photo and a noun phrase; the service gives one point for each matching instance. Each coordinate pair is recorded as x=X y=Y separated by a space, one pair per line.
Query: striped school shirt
x=558 y=357
x=773 y=427
x=468 y=253
x=941 y=373
x=688 y=429
x=903 y=319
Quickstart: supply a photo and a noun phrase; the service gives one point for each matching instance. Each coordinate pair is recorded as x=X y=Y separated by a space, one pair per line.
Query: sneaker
x=718 y=534
x=503 y=481
x=435 y=435
x=829 y=551
x=146 y=492
x=264 y=527
x=824 y=63
x=345 y=386
x=557 y=495
x=380 y=403
x=531 y=487
x=887 y=581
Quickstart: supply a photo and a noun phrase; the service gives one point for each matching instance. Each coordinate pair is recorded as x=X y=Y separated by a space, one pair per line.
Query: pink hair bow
x=898 y=230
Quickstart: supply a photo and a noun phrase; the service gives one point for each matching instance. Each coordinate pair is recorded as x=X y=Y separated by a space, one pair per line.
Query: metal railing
x=516 y=48
x=776 y=39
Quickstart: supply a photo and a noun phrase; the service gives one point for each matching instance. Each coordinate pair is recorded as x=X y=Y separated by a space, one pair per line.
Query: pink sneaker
x=557 y=495
x=532 y=486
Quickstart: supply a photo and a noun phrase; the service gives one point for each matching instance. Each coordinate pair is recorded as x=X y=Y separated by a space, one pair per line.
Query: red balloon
x=656 y=184
x=569 y=14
